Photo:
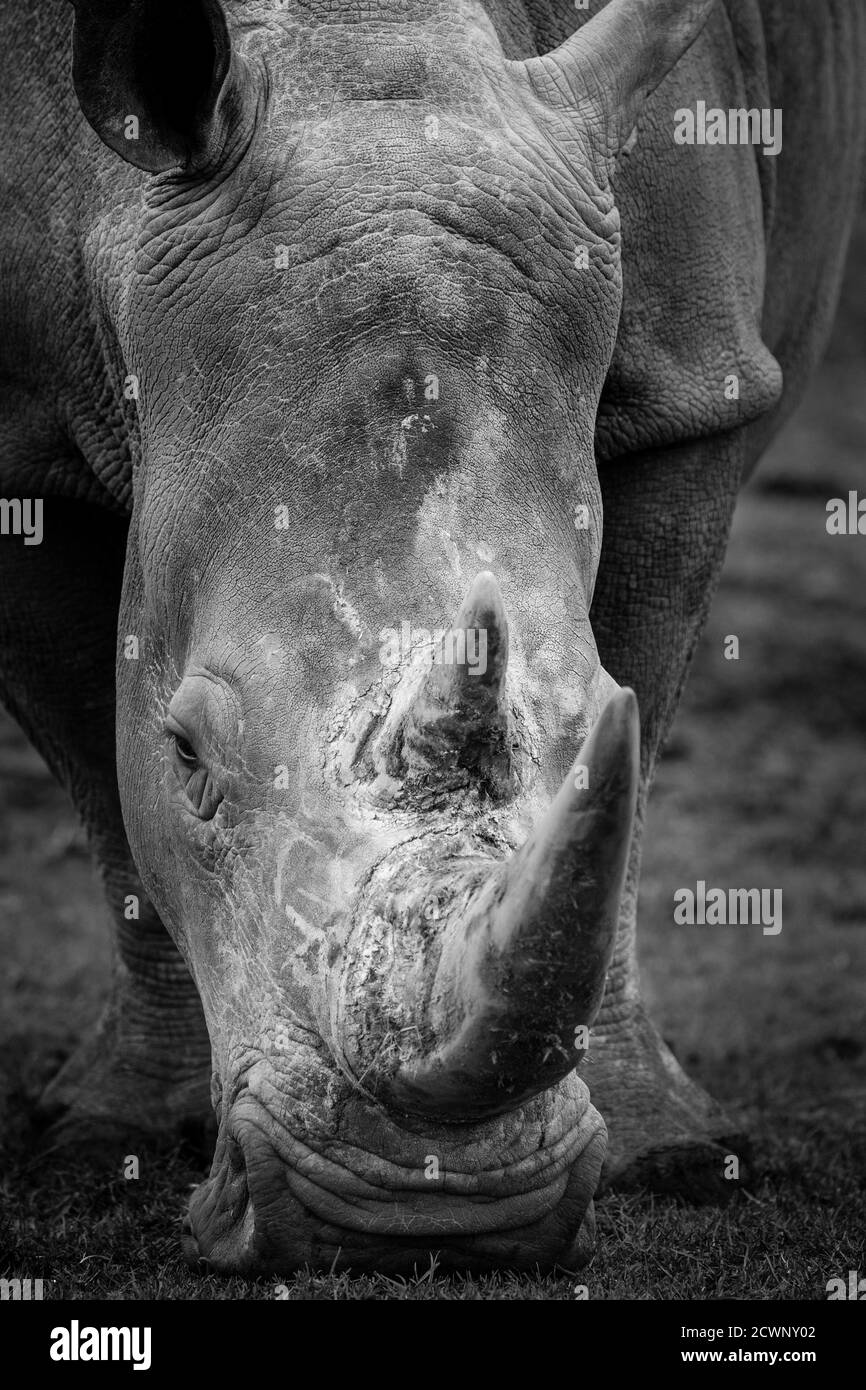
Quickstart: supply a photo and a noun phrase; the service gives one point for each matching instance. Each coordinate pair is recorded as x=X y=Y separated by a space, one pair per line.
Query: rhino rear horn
x=156 y=79
x=458 y=721
x=618 y=58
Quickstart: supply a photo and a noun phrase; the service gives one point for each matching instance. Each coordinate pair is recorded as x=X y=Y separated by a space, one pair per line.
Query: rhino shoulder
x=691 y=359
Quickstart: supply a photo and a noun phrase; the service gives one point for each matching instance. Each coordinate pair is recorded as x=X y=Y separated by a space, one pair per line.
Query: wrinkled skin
x=291 y=490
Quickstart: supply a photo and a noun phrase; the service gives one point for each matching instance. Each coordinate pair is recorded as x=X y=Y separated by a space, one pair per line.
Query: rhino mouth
x=274 y=1204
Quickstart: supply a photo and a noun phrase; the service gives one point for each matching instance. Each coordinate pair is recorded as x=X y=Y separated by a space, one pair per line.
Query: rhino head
x=370 y=293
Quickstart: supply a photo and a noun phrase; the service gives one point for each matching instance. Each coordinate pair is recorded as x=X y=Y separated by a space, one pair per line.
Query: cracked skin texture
x=405 y=257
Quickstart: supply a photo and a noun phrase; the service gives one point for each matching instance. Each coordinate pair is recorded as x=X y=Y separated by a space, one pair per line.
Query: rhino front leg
x=146 y=1068
x=667 y=517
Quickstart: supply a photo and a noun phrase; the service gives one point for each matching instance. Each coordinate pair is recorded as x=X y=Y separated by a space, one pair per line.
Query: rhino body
x=325 y=324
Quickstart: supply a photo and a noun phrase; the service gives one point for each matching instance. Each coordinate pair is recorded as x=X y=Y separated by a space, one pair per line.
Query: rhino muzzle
x=433 y=1103
x=278 y=1200
x=467 y=983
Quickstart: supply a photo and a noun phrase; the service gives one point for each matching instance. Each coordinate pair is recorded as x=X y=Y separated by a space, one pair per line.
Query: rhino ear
x=153 y=78
x=618 y=58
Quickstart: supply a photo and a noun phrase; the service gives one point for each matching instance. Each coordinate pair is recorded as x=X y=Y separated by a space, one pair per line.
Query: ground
x=763 y=785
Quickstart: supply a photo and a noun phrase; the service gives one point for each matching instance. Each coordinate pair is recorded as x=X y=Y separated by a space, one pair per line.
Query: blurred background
x=763 y=783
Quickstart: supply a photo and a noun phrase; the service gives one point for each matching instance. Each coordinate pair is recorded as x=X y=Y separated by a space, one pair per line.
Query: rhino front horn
x=519 y=963
x=456 y=728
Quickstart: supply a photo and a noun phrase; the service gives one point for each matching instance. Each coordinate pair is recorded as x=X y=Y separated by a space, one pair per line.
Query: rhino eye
x=197 y=782
x=185 y=750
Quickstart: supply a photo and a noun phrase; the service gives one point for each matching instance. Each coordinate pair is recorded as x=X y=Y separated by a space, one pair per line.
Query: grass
x=118 y=1239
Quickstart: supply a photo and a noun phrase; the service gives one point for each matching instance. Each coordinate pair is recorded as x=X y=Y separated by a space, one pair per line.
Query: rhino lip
x=287 y=1205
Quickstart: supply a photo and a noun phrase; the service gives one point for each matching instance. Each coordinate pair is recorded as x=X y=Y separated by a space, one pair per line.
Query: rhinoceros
x=387 y=375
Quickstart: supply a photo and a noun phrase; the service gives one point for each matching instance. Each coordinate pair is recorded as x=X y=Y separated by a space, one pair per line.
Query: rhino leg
x=667 y=519
x=146 y=1068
